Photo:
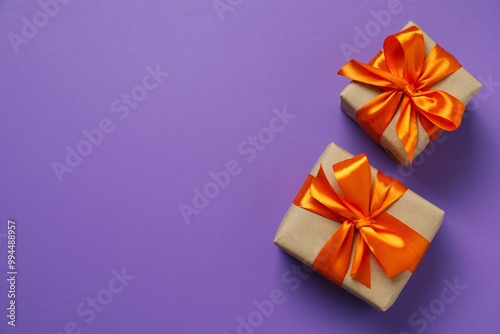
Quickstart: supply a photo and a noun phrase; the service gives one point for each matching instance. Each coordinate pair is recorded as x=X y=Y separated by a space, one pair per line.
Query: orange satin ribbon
x=405 y=75
x=395 y=246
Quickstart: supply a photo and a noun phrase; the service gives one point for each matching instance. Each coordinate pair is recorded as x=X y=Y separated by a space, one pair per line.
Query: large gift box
x=358 y=227
x=408 y=93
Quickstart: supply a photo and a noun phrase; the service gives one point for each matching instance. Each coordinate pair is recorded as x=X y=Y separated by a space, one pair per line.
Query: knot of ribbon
x=405 y=75
x=361 y=210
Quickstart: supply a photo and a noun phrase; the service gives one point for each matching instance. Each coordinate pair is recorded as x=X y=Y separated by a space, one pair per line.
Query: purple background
x=119 y=208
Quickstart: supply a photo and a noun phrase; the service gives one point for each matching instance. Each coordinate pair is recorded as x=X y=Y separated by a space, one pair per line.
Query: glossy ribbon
x=395 y=246
x=405 y=75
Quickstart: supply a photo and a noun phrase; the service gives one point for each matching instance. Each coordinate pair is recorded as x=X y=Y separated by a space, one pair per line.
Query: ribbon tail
x=361 y=263
x=406 y=127
x=333 y=259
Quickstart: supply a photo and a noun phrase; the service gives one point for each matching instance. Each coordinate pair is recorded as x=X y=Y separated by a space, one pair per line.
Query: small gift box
x=358 y=227
x=408 y=93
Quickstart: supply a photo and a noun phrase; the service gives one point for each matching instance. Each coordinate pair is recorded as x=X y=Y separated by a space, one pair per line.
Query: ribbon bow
x=395 y=246
x=404 y=73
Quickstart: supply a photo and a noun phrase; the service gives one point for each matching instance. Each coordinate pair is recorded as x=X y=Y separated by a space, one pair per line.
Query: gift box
x=358 y=227
x=408 y=93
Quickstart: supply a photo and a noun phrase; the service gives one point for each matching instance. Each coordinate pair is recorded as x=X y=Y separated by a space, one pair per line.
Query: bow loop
x=392 y=252
x=372 y=75
x=322 y=192
x=354 y=179
x=404 y=54
x=437 y=65
x=440 y=108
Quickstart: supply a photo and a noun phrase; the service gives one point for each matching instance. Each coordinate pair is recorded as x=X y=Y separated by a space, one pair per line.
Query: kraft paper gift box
x=460 y=84
x=305 y=234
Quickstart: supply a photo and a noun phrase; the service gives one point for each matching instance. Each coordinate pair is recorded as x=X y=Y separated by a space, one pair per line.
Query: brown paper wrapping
x=460 y=84
x=302 y=234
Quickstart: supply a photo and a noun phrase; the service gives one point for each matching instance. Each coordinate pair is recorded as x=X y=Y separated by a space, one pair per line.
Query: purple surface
x=118 y=209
